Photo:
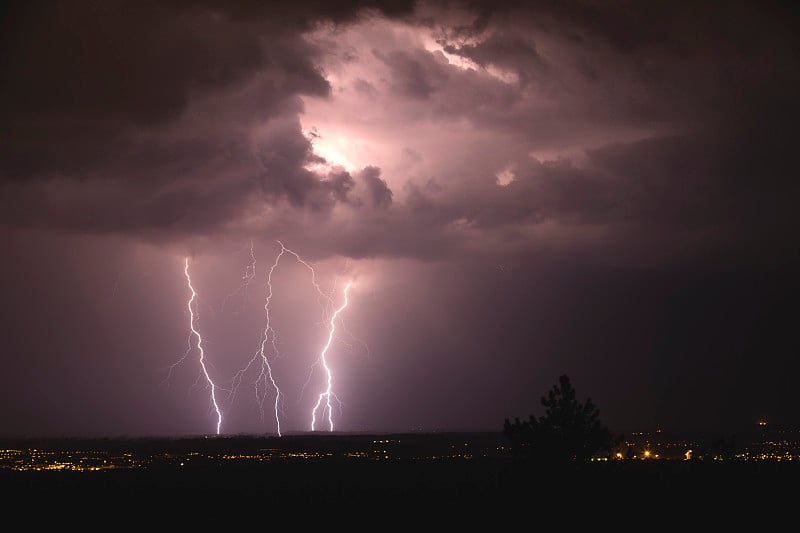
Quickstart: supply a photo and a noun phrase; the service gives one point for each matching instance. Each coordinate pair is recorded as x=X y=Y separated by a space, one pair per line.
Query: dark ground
x=487 y=491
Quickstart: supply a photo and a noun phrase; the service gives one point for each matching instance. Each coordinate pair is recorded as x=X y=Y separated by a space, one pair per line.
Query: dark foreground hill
x=456 y=479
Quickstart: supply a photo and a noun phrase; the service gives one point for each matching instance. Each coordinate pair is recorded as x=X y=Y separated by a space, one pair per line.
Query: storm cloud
x=519 y=189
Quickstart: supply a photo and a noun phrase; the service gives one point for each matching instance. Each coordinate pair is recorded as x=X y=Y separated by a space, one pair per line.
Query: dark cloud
x=379 y=193
x=415 y=76
x=304 y=13
x=340 y=183
x=282 y=154
x=623 y=62
x=506 y=51
x=112 y=207
x=81 y=81
x=151 y=103
x=137 y=61
x=365 y=88
x=156 y=105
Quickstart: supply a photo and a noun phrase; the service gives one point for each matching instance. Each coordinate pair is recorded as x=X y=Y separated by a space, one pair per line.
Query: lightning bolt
x=260 y=358
x=247 y=277
x=194 y=333
x=329 y=390
x=268 y=347
x=268 y=337
x=328 y=301
x=267 y=350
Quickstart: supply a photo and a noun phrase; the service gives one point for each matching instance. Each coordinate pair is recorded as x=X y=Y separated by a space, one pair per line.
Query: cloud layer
x=500 y=168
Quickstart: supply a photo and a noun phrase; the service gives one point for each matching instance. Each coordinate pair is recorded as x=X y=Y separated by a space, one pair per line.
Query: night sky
x=514 y=190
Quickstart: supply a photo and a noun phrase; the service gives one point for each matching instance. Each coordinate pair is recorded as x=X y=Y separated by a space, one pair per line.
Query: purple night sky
x=516 y=190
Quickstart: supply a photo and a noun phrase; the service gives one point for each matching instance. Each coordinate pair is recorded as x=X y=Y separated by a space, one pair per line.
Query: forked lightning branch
x=265 y=384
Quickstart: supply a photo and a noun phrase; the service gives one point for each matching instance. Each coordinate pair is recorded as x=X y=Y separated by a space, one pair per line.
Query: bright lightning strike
x=268 y=349
x=268 y=345
x=268 y=337
x=193 y=317
x=329 y=390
